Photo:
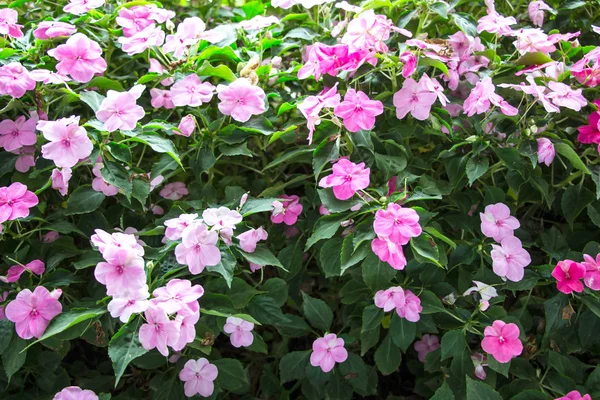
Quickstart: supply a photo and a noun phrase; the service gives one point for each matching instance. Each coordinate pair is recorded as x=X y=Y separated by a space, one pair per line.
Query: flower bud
x=187 y=125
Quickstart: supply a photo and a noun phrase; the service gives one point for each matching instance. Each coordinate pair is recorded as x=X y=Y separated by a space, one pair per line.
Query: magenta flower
x=568 y=276
x=389 y=252
x=53 y=29
x=60 y=180
x=69 y=142
x=78 y=7
x=119 y=109
x=186 y=126
x=412 y=307
x=15 y=80
x=26 y=158
x=254 y=267
x=187 y=331
x=32 y=312
x=426 y=345
x=410 y=63
x=591 y=133
x=18 y=133
x=415 y=98
x=287 y=210
x=161 y=98
x=130 y=301
x=396 y=223
x=175 y=226
x=80 y=57
x=347 y=178
x=575 y=395
x=199 y=376
x=510 y=259
x=536 y=12
x=3 y=297
x=240 y=331
x=592 y=271
x=123 y=270
x=75 y=393
x=36 y=267
x=198 y=248
x=190 y=91
x=390 y=299
x=241 y=100
x=250 y=238
x=174 y=191
x=158 y=331
x=358 y=111
x=15 y=202
x=179 y=296
x=99 y=184
x=327 y=351
x=8 y=23
x=497 y=223
x=502 y=341
x=545 y=151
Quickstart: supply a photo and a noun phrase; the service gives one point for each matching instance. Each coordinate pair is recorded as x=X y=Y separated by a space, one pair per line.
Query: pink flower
x=104 y=240
x=151 y=35
x=18 y=133
x=78 y=7
x=174 y=191
x=190 y=32
x=53 y=29
x=119 y=109
x=397 y=224
x=50 y=237
x=426 y=345
x=389 y=252
x=179 y=296
x=15 y=80
x=536 y=12
x=312 y=106
x=502 y=341
x=69 y=142
x=347 y=178
x=369 y=31
x=568 y=275
x=255 y=267
x=176 y=226
x=136 y=18
x=8 y=23
x=240 y=331
x=48 y=77
x=26 y=158
x=479 y=361
x=587 y=70
x=287 y=211
x=510 y=259
x=130 y=301
x=390 y=299
x=592 y=271
x=563 y=96
x=323 y=210
x=241 y=100
x=3 y=297
x=412 y=307
x=590 y=133
x=358 y=111
x=482 y=95
x=75 y=393
x=99 y=184
x=80 y=57
x=327 y=351
x=258 y=22
x=156 y=66
x=36 y=267
x=198 y=248
x=158 y=331
x=494 y=22
x=161 y=98
x=186 y=126
x=190 y=91
x=497 y=223
x=198 y=376
x=545 y=151
x=410 y=64
x=415 y=98
x=123 y=270
x=32 y=312
x=575 y=395
x=532 y=40
x=221 y=218
x=250 y=238
x=187 y=331
x=15 y=202
x=60 y=180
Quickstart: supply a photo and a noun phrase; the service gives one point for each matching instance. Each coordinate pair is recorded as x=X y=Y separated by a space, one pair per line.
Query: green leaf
x=574 y=200
x=104 y=83
x=258 y=344
x=453 y=343
x=325 y=152
x=431 y=303
x=477 y=390
x=292 y=366
x=501 y=368
x=511 y=158
x=84 y=200
x=232 y=375
x=158 y=144
x=377 y=274
x=116 y=175
x=476 y=167
x=444 y=393
x=263 y=256
x=266 y=311
x=566 y=151
x=92 y=99
x=124 y=347
x=68 y=319
x=222 y=71
x=6 y=333
x=403 y=332
x=254 y=206
x=425 y=249
x=225 y=267
x=325 y=228
x=369 y=333
x=334 y=205
x=301 y=33
x=317 y=312
x=433 y=63
x=465 y=22
x=329 y=257
x=440 y=8
x=338 y=389
x=535 y=58
x=287 y=156
x=13 y=358
x=120 y=151
x=387 y=356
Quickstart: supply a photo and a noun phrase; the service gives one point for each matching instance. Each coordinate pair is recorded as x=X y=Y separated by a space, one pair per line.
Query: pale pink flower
x=99 y=184
x=358 y=111
x=220 y=218
x=287 y=210
x=60 y=180
x=161 y=98
x=241 y=100
x=545 y=151
x=136 y=18
x=255 y=267
x=327 y=351
x=390 y=299
x=502 y=341
x=190 y=32
x=564 y=96
x=8 y=23
x=176 y=226
x=156 y=209
x=497 y=223
x=575 y=395
x=3 y=297
x=411 y=309
x=78 y=7
x=178 y=296
x=415 y=98
x=389 y=252
x=426 y=345
x=531 y=40
x=347 y=178
x=48 y=77
x=250 y=238
x=258 y=22
x=15 y=202
x=190 y=91
x=174 y=191
x=494 y=22
x=539 y=92
x=123 y=270
x=53 y=29
x=285 y=4
x=69 y=142
x=410 y=64
x=482 y=95
x=187 y=331
x=510 y=259
x=119 y=109
x=26 y=158
x=75 y=393
x=240 y=331
x=32 y=312
x=344 y=5
x=568 y=275
x=369 y=31
x=130 y=301
x=536 y=12
x=312 y=106
x=36 y=267
x=158 y=330
x=151 y=35
x=198 y=248
x=50 y=237
x=156 y=66
x=485 y=291
x=479 y=361
x=323 y=210
x=199 y=376
x=104 y=240
x=15 y=80
x=396 y=223
x=18 y=133
x=592 y=271
x=80 y=57
x=186 y=126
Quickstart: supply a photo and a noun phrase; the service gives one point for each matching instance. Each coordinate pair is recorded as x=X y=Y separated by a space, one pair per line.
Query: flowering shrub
x=299 y=199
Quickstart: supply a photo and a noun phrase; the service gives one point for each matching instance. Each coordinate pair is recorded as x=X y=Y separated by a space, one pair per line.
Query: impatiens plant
x=306 y=199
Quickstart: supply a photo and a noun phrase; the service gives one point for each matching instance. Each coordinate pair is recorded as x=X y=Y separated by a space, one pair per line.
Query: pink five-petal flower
x=241 y=100
x=502 y=341
x=199 y=376
x=411 y=309
x=494 y=22
x=221 y=218
x=198 y=248
x=130 y=301
x=312 y=106
x=414 y=97
x=396 y=223
x=481 y=98
x=187 y=331
x=497 y=223
x=175 y=226
x=53 y=29
x=60 y=180
x=79 y=57
x=179 y=296
x=14 y=273
x=161 y=98
x=158 y=330
x=568 y=276
x=358 y=111
x=8 y=23
x=18 y=133
x=592 y=271
x=389 y=252
x=564 y=96
x=250 y=238
x=123 y=270
x=119 y=110
x=240 y=331
x=174 y=191
x=69 y=142
x=327 y=351
x=15 y=80
x=426 y=345
x=347 y=178
x=536 y=9
x=545 y=151
x=287 y=210
x=15 y=202
x=26 y=158
x=32 y=312
x=510 y=259
x=78 y=7
x=575 y=395
x=151 y=35
x=191 y=91
x=390 y=299
x=75 y=393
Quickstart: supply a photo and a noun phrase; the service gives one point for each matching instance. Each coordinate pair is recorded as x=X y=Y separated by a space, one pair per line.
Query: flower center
x=500 y=339
x=120 y=269
x=66 y=143
x=34 y=313
x=131 y=302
